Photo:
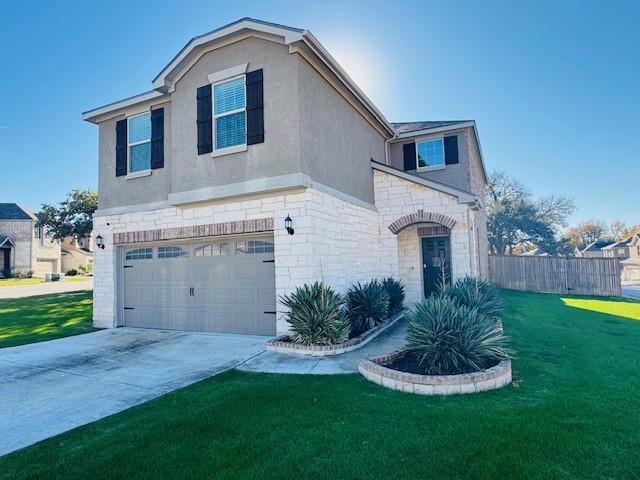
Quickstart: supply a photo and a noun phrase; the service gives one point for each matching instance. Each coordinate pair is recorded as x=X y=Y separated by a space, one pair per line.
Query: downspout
x=386 y=148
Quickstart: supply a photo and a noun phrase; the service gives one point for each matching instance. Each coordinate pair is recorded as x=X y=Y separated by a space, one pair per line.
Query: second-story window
x=139 y=142
x=430 y=154
x=229 y=113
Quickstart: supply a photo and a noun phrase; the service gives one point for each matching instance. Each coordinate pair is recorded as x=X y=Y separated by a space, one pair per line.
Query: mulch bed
x=409 y=364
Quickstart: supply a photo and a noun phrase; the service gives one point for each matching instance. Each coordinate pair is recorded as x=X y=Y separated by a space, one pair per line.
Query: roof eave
x=94 y=115
x=461 y=195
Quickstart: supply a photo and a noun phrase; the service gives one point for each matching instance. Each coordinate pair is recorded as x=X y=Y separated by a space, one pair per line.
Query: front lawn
x=571 y=413
x=36 y=319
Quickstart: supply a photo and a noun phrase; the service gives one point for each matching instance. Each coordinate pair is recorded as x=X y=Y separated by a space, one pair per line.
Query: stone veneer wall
x=335 y=241
x=21 y=232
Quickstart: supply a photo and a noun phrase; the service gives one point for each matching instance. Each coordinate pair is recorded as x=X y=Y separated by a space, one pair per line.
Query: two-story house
x=23 y=246
x=255 y=165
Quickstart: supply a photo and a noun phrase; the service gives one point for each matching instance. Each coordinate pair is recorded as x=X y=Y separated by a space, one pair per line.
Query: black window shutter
x=409 y=150
x=255 y=108
x=451 y=150
x=121 y=148
x=205 y=120
x=157 y=138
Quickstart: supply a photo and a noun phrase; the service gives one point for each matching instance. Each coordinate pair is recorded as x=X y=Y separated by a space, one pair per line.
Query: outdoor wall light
x=99 y=242
x=287 y=224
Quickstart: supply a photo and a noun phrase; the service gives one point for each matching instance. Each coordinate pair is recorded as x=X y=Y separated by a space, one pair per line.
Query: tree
x=72 y=218
x=516 y=219
x=586 y=232
x=617 y=229
x=630 y=231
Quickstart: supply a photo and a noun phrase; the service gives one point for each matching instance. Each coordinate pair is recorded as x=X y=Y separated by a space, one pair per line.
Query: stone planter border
x=283 y=344
x=492 y=378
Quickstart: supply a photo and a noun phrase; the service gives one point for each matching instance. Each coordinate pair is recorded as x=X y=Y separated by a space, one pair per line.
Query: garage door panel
x=213 y=292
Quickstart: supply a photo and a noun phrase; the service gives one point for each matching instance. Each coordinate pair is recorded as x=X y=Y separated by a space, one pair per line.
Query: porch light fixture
x=99 y=242
x=287 y=224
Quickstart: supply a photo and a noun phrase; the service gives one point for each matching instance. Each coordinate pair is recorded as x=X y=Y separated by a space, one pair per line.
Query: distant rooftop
x=408 y=127
x=12 y=211
x=598 y=245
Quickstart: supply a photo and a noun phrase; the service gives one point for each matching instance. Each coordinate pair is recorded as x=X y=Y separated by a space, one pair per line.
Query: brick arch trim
x=421 y=217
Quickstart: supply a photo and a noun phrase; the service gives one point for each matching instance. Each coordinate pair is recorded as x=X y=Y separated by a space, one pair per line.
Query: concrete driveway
x=631 y=290
x=50 y=387
x=47 y=288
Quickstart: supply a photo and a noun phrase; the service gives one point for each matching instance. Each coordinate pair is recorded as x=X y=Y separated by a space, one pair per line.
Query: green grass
x=572 y=413
x=36 y=319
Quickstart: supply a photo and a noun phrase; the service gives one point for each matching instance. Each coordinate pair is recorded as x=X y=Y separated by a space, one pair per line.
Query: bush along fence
x=566 y=275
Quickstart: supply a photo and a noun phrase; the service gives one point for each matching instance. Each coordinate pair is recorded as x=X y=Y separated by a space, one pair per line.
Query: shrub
x=15 y=273
x=72 y=272
x=30 y=273
x=448 y=338
x=86 y=269
x=395 y=290
x=316 y=315
x=475 y=293
x=367 y=306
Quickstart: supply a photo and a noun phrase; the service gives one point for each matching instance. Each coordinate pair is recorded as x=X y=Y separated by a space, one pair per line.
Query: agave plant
x=475 y=293
x=316 y=315
x=448 y=338
x=367 y=306
x=395 y=290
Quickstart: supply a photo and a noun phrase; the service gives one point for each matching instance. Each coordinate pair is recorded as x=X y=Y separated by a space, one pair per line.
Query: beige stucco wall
x=457 y=175
x=337 y=143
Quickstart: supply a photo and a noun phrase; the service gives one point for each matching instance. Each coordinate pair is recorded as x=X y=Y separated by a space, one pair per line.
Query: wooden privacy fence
x=579 y=276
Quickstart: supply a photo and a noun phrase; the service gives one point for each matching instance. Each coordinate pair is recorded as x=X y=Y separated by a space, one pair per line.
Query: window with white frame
x=253 y=246
x=229 y=113
x=212 y=250
x=139 y=254
x=430 y=153
x=171 y=252
x=139 y=142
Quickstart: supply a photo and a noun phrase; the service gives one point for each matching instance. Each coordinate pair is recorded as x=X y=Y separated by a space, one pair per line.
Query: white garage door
x=211 y=286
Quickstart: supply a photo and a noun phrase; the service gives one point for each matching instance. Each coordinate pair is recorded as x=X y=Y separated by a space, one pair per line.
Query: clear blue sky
x=554 y=86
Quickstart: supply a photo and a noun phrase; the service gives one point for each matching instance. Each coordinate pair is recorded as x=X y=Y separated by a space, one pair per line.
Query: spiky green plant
x=367 y=306
x=447 y=338
x=395 y=290
x=316 y=315
x=475 y=293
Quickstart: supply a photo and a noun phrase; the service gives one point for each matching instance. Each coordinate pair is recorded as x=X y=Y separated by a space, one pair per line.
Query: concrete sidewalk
x=21 y=291
x=631 y=290
x=274 y=362
x=48 y=388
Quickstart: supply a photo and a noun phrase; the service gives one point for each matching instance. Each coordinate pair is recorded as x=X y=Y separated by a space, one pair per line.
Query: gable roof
x=597 y=245
x=4 y=240
x=627 y=242
x=12 y=211
x=164 y=83
x=463 y=196
x=411 y=127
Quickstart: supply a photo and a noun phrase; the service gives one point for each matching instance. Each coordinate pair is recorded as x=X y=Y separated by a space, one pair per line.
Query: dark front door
x=5 y=255
x=436 y=263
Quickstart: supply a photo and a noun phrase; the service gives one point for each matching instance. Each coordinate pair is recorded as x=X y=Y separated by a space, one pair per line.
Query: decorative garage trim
x=195 y=231
x=421 y=217
x=434 y=230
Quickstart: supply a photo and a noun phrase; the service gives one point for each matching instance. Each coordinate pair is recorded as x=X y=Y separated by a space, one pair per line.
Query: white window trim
x=218 y=152
x=432 y=167
x=228 y=73
x=144 y=173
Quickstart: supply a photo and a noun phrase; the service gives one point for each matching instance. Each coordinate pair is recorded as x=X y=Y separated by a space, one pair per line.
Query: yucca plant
x=447 y=338
x=367 y=306
x=316 y=315
x=395 y=290
x=475 y=293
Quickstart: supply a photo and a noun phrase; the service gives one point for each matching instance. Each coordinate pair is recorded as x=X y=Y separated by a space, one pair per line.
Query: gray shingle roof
x=11 y=211
x=408 y=127
x=597 y=245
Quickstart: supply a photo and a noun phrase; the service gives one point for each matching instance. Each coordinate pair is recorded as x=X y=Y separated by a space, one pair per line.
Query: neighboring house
x=249 y=126
x=628 y=251
x=594 y=249
x=536 y=252
x=76 y=253
x=23 y=246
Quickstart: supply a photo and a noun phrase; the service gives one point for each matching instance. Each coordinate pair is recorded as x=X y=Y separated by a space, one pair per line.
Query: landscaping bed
x=400 y=371
x=285 y=343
